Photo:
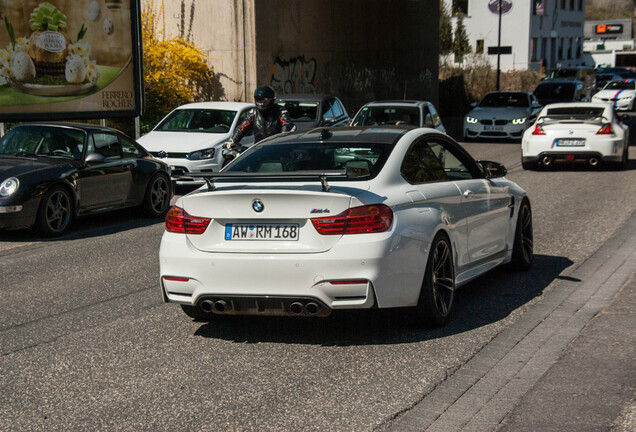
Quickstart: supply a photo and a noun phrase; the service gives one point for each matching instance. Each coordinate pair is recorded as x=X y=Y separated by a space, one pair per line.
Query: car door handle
x=127 y=167
x=469 y=194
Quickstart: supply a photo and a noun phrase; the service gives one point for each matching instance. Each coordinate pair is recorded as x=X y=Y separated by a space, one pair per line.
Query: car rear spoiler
x=321 y=176
x=573 y=117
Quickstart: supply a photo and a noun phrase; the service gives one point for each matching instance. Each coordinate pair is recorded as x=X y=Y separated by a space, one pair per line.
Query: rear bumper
x=347 y=276
x=589 y=158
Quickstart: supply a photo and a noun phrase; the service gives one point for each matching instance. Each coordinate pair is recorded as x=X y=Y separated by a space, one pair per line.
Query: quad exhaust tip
x=296 y=308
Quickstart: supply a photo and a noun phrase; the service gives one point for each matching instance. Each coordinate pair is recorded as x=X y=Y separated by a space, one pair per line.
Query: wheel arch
x=66 y=186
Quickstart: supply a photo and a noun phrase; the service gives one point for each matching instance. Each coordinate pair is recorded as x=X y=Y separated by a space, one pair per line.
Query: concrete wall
x=358 y=50
x=224 y=31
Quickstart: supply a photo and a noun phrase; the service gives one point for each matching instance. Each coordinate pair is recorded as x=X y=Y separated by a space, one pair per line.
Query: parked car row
x=190 y=138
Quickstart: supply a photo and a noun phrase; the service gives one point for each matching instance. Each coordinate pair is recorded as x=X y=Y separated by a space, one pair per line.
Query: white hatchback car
x=579 y=132
x=620 y=93
x=343 y=218
x=190 y=138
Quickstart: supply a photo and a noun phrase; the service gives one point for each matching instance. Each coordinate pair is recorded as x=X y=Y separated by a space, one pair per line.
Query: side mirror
x=625 y=118
x=327 y=121
x=93 y=158
x=492 y=169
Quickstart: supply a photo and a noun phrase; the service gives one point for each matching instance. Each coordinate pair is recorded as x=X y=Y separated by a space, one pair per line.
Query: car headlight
x=625 y=97
x=471 y=120
x=519 y=121
x=9 y=186
x=202 y=154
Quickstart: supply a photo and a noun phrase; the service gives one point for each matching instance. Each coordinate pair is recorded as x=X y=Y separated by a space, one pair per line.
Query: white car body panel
x=477 y=214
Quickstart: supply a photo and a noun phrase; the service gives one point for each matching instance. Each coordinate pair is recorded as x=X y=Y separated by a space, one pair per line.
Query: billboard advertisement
x=70 y=59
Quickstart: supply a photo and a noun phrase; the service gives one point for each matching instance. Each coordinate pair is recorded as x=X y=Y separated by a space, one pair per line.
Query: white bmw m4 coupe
x=305 y=223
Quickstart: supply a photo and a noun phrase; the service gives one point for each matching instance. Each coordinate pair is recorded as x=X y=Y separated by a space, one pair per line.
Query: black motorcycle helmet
x=264 y=98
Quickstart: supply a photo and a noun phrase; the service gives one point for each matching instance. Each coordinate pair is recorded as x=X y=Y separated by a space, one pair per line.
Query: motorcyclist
x=265 y=120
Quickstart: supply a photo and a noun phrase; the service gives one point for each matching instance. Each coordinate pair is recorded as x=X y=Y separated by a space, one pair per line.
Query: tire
x=522 y=249
x=157 y=197
x=197 y=314
x=528 y=166
x=622 y=165
x=55 y=212
x=437 y=294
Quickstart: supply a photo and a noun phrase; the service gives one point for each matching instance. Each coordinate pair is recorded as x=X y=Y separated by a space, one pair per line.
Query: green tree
x=461 y=45
x=445 y=29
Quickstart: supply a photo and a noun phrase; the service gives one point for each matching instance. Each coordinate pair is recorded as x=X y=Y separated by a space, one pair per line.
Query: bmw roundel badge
x=258 y=206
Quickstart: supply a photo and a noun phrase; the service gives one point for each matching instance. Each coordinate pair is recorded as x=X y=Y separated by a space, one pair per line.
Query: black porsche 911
x=52 y=172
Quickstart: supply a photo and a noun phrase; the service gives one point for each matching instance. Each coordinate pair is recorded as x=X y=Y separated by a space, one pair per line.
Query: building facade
x=358 y=50
x=534 y=33
x=608 y=39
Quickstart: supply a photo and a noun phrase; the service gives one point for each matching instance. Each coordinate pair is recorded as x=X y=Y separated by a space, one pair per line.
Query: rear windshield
x=500 y=100
x=275 y=158
x=562 y=73
x=578 y=113
x=198 y=120
x=555 y=91
x=301 y=111
x=387 y=115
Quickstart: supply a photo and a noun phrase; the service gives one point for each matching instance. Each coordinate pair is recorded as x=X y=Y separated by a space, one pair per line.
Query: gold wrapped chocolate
x=48 y=50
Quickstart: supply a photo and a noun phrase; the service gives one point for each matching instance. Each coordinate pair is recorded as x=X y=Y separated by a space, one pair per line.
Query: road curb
x=485 y=389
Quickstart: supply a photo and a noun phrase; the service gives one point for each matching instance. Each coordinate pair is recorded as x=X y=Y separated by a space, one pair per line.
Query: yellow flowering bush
x=175 y=71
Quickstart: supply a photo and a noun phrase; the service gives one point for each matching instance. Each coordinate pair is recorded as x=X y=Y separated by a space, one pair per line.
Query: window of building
x=533 y=49
x=563 y=2
x=580 y=5
x=479 y=46
x=561 y=48
x=538 y=7
x=572 y=5
x=460 y=7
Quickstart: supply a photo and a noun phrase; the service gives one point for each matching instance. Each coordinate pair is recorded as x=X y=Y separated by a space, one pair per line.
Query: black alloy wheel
x=55 y=213
x=522 y=250
x=438 y=288
x=157 y=199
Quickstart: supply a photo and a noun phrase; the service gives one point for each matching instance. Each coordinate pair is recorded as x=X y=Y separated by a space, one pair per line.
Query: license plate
x=570 y=142
x=270 y=232
x=493 y=128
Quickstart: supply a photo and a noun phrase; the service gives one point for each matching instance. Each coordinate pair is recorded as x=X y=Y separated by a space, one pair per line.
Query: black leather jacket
x=264 y=124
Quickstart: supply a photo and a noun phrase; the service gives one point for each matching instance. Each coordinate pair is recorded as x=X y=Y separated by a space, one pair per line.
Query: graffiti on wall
x=296 y=75
x=363 y=78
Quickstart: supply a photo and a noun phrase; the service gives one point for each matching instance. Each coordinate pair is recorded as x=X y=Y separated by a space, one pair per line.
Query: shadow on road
x=484 y=301
x=97 y=225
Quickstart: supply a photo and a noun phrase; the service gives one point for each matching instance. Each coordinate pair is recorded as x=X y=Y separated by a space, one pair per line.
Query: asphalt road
x=87 y=344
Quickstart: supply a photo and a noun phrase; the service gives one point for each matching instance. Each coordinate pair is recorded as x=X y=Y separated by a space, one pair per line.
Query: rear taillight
x=605 y=130
x=358 y=220
x=538 y=130
x=179 y=221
